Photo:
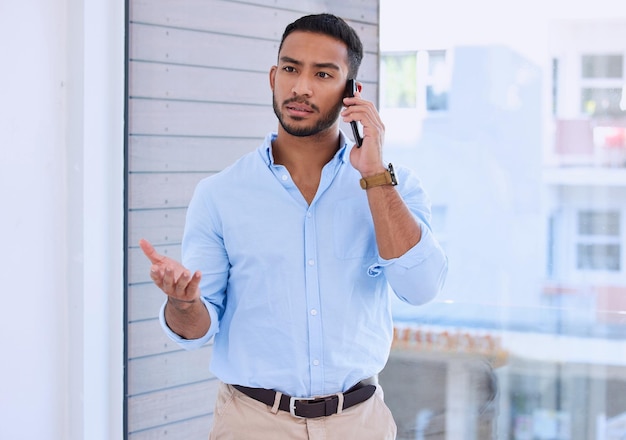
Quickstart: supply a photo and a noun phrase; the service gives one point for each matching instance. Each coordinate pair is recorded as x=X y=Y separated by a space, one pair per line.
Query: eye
x=324 y=75
x=289 y=69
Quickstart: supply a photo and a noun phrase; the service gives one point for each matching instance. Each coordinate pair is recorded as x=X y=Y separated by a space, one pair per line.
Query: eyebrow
x=290 y=60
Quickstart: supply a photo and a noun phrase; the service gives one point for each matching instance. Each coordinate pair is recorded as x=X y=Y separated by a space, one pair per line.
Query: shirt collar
x=266 y=149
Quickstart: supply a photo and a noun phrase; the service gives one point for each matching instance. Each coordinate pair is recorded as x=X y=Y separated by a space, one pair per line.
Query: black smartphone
x=350 y=90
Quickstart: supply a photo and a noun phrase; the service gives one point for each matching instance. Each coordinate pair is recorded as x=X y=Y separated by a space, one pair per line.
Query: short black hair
x=335 y=27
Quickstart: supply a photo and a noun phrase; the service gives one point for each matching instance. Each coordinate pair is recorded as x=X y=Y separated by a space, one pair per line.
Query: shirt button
x=313 y=312
x=311 y=262
x=316 y=362
x=284 y=177
x=308 y=214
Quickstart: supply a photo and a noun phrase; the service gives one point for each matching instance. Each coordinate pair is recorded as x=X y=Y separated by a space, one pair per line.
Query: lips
x=299 y=108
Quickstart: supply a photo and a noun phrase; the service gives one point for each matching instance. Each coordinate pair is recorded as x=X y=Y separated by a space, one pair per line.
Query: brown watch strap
x=386 y=178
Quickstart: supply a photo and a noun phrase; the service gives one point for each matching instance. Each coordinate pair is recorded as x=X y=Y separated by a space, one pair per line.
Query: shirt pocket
x=354 y=230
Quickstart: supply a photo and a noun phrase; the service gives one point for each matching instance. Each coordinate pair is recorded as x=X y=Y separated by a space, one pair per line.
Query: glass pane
x=399 y=80
x=599 y=223
x=436 y=61
x=602 y=66
x=436 y=100
x=599 y=257
x=602 y=102
x=438 y=83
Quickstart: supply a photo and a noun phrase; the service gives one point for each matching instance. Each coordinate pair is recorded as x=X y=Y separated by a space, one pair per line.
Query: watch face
x=392 y=173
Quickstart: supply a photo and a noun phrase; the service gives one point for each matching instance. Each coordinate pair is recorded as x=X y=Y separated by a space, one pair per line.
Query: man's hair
x=335 y=27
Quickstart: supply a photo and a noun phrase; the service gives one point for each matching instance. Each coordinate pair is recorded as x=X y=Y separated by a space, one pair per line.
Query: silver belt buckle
x=292 y=405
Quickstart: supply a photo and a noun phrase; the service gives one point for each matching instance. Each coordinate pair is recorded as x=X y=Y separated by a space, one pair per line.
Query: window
x=602 y=66
x=437 y=81
x=598 y=246
x=536 y=286
x=416 y=80
x=555 y=85
x=399 y=80
x=602 y=85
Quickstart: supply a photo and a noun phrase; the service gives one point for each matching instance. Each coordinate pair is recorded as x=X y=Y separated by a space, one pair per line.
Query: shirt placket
x=314 y=315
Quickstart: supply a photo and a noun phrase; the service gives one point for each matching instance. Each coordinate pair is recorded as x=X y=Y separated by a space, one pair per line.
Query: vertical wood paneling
x=199 y=98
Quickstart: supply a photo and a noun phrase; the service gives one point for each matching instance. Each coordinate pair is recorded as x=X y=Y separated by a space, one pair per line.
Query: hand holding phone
x=351 y=88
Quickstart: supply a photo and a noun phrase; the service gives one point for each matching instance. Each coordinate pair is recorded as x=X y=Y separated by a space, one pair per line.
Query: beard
x=325 y=121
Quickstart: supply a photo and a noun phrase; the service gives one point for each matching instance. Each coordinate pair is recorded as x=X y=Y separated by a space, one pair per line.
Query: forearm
x=188 y=319
x=396 y=229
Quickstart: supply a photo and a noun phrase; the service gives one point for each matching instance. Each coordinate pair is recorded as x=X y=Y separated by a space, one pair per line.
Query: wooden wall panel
x=188 y=118
x=192 y=428
x=195 y=48
x=144 y=302
x=229 y=18
x=162 y=190
x=256 y=19
x=172 y=405
x=357 y=10
x=199 y=83
x=199 y=98
x=158 y=226
x=187 y=154
x=169 y=370
x=148 y=339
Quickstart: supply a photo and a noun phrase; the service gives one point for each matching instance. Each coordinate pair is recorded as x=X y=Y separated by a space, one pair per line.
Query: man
x=288 y=255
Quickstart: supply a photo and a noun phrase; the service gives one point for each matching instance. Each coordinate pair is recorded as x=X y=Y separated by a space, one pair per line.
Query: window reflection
x=520 y=139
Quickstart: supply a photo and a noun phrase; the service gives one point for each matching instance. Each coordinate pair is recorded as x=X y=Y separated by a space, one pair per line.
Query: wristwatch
x=386 y=178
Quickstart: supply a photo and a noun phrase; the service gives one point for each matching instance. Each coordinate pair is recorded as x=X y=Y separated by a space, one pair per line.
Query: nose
x=302 y=86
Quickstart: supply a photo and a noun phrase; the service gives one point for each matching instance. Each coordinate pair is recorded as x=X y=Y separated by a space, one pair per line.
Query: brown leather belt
x=313 y=407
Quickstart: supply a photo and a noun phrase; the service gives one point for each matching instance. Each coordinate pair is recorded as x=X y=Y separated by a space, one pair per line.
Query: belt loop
x=340 y=403
x=276 y=402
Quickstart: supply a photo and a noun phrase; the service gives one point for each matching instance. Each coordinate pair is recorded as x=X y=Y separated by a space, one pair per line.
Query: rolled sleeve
x=191 y=344
x=417 y=276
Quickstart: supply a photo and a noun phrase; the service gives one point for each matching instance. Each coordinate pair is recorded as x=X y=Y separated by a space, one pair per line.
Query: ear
x=273 y=76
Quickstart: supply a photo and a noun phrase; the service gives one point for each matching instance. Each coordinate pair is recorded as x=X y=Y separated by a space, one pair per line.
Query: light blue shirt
x=298 y=296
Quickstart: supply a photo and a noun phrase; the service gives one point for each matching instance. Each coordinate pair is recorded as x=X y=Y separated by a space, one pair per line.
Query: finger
x=156 y=275
x=194 y=285
x=180 y=287
x=150 y=252
x=168 y=281
x=351 y=104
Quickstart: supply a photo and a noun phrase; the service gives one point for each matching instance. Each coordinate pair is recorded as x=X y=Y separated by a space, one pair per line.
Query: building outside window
x=521 y=144
x=399 y=80
x=602 y=83
x=599 y=241
x=416 y=80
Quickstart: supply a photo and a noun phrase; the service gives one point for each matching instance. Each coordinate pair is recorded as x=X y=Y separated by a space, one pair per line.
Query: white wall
x=61 y=189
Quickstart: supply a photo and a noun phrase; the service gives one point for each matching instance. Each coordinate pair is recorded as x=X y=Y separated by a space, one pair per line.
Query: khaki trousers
x=239 y=417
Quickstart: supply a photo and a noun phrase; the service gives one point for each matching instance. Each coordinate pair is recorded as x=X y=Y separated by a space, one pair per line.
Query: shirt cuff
x=191 y=344
x=413 y=257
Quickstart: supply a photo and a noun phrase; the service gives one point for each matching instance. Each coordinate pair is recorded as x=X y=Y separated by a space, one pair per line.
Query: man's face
x=309 y=83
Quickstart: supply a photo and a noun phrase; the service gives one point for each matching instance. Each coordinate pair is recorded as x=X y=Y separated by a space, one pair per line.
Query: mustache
x=300 y=100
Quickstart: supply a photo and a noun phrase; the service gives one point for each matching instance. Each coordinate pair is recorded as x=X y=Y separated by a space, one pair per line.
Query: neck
x=305 y=153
